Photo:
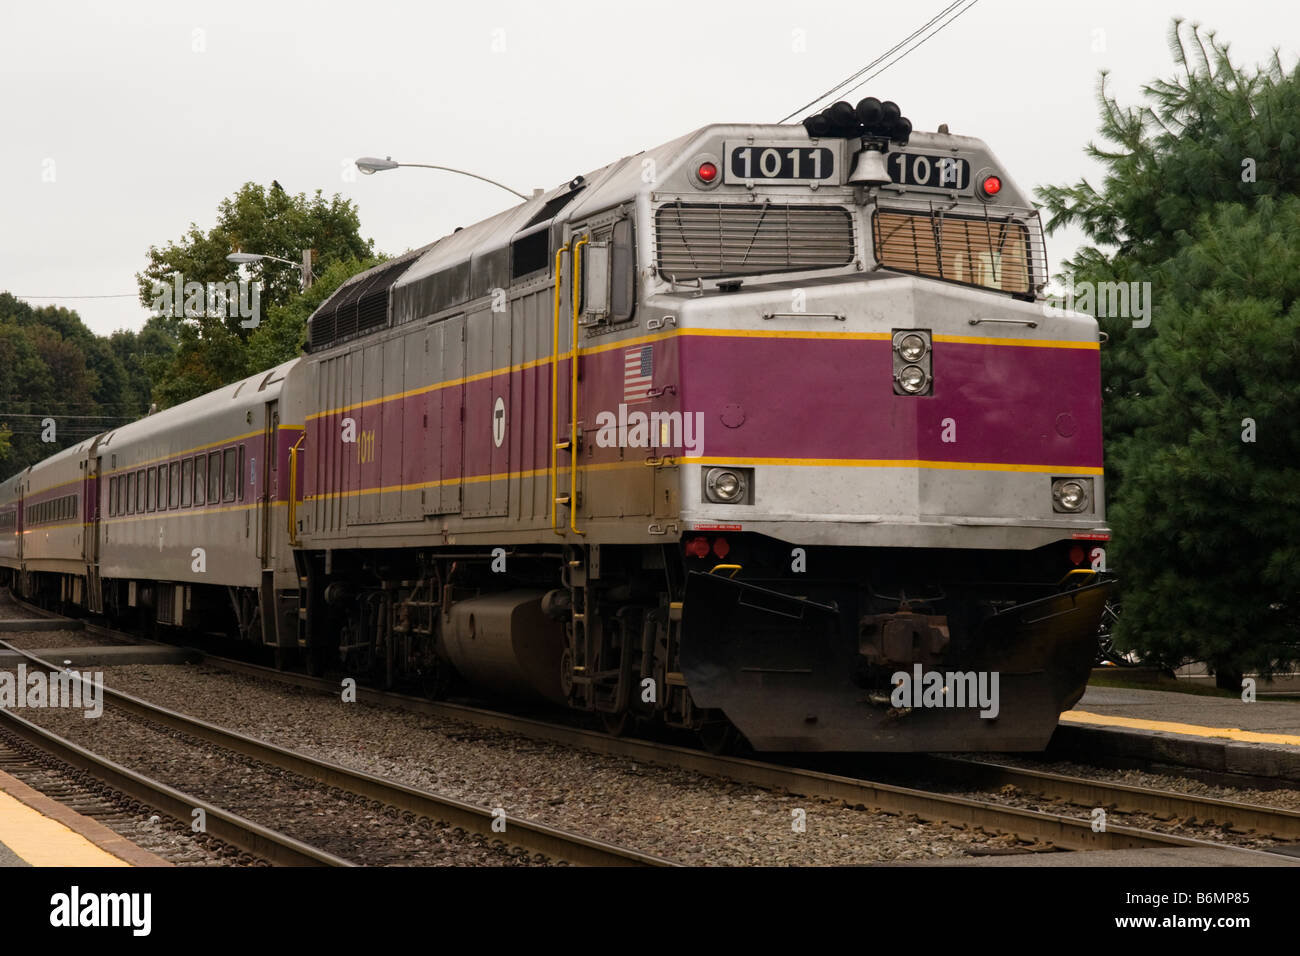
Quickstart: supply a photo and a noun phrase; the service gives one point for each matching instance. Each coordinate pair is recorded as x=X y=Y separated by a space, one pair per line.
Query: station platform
x=36 y=830
x=1223 y=734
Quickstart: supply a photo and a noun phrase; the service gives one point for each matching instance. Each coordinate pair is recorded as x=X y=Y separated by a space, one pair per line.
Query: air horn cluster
x=871 y=118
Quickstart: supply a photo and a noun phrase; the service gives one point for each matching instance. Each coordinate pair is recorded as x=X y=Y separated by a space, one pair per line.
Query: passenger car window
x=200 y=479
x=230 y=475
x=214 y=477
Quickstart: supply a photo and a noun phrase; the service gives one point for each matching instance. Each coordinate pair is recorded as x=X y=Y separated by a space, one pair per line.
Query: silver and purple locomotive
x=765 y=432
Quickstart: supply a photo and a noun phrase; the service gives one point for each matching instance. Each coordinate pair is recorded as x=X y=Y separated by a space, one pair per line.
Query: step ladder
x=568 y=497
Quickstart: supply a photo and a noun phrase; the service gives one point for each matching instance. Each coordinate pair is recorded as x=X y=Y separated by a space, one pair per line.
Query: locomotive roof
x=602 y=188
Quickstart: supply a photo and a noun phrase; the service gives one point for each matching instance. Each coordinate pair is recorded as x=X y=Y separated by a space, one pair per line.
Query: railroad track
x=120 y=815
x=1050 y=830
x=1062 y=831
x=250 y=837
x=1164 y=805
x=535 y=839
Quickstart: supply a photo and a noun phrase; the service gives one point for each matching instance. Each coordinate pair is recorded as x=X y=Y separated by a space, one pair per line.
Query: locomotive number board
x=780 y=163
x=929 y=172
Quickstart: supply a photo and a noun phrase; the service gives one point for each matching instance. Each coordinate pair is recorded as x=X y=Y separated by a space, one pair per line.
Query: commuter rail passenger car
x=764 y=431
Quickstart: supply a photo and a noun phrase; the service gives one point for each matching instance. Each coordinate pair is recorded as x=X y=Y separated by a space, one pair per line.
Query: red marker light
x=721 y=549
x=698 y=547
x=991 y=186
x=707 y=172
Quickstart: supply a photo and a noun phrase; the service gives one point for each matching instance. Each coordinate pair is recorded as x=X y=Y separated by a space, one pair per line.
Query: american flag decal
x=638 y=373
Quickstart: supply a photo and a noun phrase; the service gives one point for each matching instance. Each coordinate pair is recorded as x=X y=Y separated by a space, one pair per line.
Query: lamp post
x=369 y=165
x=244 y=258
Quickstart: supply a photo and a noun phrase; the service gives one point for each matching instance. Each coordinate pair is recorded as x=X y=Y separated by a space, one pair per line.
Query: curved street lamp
x=246 y=258
x=369 y=165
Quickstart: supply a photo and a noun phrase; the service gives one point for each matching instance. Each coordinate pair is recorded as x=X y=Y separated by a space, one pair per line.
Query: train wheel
x=617 y=725
x=435 y=682
x=719 y=736
x=315 y=660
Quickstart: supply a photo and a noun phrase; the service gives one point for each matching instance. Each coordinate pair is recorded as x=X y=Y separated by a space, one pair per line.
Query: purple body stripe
x=808 y=398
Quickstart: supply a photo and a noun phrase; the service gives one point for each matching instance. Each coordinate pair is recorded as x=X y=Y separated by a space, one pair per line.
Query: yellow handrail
x=293 y=491
x=573 y=397
x=1075 y=573
x=555 y=393
x=733 y=568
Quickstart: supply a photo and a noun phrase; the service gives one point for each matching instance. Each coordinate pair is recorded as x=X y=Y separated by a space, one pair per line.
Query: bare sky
x=121 y=123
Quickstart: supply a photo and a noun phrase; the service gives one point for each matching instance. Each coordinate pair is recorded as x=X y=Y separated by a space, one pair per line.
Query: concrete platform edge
x=1160 y=747
x=94 y=831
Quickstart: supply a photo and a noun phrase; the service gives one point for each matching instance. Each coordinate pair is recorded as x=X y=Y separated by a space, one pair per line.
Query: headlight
x=912 y=379
x=1070 y=495
x=911 y=347
x=724 y=485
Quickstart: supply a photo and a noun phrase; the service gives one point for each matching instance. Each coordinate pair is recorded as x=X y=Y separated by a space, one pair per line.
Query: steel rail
x=248 y=836
x=1085 y=792
x=552 y=842
x=1061 y=830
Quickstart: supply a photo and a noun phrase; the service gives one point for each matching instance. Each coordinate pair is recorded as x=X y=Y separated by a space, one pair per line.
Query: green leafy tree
x=1199 y=199
x=53 y=369
x=283 y=332
x=211 y=348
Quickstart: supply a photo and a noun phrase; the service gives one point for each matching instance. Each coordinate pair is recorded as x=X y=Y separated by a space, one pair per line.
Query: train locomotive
x=765 y=432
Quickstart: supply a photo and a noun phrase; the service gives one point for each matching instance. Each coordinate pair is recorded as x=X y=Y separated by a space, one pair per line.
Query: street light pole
x=304 y=267
x=369 y=165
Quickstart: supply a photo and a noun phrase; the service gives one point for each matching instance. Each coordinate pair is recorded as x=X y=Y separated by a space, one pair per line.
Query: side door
x=90 y=531
x=485 y=485
x=266 y=485
x=616 y=382
x=445 y=410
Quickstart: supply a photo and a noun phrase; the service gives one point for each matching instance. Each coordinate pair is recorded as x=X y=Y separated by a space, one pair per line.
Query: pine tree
x=1202 y=408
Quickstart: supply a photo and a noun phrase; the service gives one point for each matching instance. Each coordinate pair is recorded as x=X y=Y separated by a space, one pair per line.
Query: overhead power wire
x=115 y=295
x=914 y=46
x=847 y=80
x=838 y=87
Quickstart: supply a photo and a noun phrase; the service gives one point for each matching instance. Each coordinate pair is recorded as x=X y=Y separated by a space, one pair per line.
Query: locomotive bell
x=869 y=168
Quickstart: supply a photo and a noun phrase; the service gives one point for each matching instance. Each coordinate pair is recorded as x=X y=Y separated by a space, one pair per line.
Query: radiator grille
x=710 y=240
x=358 y=306
x=974 y=247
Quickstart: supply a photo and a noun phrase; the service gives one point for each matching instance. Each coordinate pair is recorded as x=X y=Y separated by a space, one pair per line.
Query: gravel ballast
x=687 y=817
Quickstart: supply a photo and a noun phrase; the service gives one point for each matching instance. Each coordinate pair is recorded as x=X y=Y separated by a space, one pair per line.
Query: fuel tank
x=504 y=643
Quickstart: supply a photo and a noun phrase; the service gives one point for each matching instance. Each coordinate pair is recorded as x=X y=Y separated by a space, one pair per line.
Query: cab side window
x=622 y=292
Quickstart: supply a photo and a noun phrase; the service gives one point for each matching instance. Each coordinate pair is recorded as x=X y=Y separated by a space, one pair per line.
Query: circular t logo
x=499 y=422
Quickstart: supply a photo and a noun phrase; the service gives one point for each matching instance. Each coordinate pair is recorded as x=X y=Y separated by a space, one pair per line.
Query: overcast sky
x=146 y=114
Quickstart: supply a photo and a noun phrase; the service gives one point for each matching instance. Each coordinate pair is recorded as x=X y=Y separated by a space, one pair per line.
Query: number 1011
x=804 y=162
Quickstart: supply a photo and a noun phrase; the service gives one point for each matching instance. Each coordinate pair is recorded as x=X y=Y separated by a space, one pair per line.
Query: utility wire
x=71 y=418
x=121 y=295
x=835 y=90
x=916 y=45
